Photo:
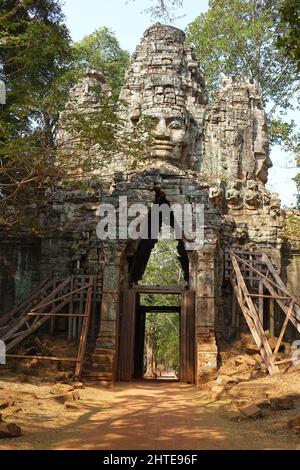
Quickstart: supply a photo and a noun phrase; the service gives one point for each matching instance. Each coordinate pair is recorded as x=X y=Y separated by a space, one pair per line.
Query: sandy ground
x=152 y=415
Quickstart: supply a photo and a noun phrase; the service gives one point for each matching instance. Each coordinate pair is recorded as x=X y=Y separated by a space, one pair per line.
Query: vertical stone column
x=104 y=357
x=206 y=347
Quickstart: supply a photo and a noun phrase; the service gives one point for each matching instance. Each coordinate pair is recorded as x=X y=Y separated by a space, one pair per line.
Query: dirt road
x=148 y=415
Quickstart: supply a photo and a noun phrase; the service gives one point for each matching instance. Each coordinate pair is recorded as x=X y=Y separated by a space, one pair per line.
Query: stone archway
x=125 y=262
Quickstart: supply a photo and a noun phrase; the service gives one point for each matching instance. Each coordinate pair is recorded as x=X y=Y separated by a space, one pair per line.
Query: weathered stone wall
x=19 y=269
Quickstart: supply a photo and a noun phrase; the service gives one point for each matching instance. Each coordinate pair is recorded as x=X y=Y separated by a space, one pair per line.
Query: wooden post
x=84 y=329
x=187 y=337
x=272 y=316
x=127 y=336
x=261 y=302
x=233 y=309
x=81 y=303
x=70 y=320
x=283 y=329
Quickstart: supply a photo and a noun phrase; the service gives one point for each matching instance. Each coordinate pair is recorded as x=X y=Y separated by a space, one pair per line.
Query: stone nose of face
x=269 y=163
x=161 y=130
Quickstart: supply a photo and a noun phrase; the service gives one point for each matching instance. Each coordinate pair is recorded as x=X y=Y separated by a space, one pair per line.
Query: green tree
x=39 y=66
x=101 y=51
x=239 y=38
x=162 y=330
x=289 y=43
x=35 y=54
x=289 y=35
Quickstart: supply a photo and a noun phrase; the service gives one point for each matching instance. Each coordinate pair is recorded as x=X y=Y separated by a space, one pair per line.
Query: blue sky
x=127 y=19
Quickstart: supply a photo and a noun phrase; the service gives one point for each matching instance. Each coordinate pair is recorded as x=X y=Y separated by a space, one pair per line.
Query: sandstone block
x=61 y=389
x=251 y=411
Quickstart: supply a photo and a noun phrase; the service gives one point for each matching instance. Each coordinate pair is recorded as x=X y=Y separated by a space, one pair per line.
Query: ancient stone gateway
x=216 y=155
x=210 y=153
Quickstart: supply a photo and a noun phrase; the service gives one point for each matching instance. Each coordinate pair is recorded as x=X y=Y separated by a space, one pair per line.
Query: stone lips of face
x=169 y=132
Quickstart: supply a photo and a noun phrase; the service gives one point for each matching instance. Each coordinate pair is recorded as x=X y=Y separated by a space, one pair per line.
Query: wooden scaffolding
x=254 y=278
x=74 y=298
x=252 y=275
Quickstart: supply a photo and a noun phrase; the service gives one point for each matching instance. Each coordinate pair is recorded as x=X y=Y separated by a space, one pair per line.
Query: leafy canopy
x=101 y=51
x=289 y=36
x=39 y=65
x=240 y=38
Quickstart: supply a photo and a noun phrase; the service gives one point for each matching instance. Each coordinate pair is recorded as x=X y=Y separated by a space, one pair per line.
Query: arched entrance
x=117 y=355
x=132 y=314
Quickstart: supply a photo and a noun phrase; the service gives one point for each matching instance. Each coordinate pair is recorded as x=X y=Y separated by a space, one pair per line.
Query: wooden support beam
x=283 y=286
x=71 y=307
x=283 y=306
x=279 y=284
x=69 y=294
x=272 y=316
x=283 y=329
x=32 y=319
x=81 y=303
x=49 y=299
x=160 y=309
x=261 y=302
x=12 y=341
x=42 y=358
x=27 y=302
x=159 y=289
x=285 y=361
x=85 y=329
x=253 y=320
x=233 y=308
x=266 y=296
x=52 y=314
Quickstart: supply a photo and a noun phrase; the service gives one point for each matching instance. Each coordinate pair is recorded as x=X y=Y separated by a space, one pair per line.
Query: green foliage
x=284 y=134
x=29 y=164
x=163 y=269
x=35 y=57
x=288 y=39
x=164 y=329
x=289 y=43
x=292 y=227
x=239 y=38
x=35 y=54
x=39 y=65
x=101 y=51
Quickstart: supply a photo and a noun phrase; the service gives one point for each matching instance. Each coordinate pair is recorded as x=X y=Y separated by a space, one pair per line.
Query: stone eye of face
x=175 y=124
x=134 y=120
x=151 y=120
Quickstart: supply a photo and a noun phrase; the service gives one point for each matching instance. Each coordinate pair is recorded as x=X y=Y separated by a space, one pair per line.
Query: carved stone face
x=169 y=131
x=261 y=150
x=263 y=163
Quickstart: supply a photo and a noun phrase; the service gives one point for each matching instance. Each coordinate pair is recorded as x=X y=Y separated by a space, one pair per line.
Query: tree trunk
x=150 y=359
